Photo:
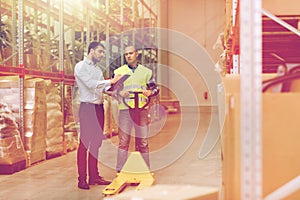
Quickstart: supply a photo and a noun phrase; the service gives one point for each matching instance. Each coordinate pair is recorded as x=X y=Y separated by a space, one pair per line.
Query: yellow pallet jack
x=134 y=172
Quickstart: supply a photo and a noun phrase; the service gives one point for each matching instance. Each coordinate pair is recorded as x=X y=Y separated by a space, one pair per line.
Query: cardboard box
x=280 y=141
x=170 y=192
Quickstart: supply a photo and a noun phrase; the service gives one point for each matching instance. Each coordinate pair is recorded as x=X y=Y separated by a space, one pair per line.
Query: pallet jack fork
x=135 y=171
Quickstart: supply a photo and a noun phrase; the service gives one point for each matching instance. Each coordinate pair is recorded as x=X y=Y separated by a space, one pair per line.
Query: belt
x=95 y=104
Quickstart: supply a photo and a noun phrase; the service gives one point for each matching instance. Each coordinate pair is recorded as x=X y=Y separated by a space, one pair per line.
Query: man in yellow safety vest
x=134 y=114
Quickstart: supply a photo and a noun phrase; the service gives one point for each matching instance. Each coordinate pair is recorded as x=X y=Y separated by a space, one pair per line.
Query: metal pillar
x=61 y=63
x=251 y=69
x=14 y=31
x=20 y=42
x=107 y=26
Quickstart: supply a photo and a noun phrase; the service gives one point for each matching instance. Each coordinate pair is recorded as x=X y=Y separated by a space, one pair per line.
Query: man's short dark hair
x=135 y=48
x=94 y=45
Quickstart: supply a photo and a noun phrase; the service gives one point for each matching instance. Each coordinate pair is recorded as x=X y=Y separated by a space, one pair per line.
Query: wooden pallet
x=50 y=155
x=10 y=169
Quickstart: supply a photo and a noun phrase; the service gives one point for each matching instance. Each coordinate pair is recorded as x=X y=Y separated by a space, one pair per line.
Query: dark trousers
x=91 y=118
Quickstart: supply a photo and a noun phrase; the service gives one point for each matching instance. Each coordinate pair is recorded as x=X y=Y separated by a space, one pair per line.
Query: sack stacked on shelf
x=70 y=128
x=55 y=119
x=11 y=146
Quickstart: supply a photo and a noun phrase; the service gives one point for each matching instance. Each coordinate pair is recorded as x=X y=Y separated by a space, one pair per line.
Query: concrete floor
x=174 y=144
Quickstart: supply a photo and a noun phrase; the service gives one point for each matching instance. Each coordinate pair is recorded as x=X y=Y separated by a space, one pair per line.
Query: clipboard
x=118 y=86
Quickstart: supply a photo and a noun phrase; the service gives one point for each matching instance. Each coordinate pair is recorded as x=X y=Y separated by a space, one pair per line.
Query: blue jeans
x=137 y=118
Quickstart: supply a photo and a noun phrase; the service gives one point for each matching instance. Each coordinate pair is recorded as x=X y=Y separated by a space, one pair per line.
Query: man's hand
x=147 y=93
x=124 y=94
x=115 y=79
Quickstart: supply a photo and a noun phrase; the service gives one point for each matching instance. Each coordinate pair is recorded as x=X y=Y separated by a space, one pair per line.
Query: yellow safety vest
x=136 y=82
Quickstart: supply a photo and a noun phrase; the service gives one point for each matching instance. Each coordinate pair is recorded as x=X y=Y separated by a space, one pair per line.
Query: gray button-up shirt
x=90 y=81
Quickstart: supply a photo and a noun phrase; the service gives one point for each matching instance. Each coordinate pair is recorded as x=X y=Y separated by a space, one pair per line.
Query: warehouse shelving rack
x=49 y=36
x=254 y=177
x=277 y=39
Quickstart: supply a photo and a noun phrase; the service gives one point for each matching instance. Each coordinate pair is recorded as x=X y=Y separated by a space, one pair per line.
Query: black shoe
x=107 y=136
x=114 y=134
x=83 y=185
x=99 y=181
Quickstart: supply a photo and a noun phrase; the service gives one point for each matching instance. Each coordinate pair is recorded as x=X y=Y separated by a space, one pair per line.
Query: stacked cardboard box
x=280 y=139
x=55 y=119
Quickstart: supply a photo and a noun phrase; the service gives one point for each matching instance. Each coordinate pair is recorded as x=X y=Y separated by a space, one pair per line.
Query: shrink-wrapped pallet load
x=34 y=112
x=35 y=119
x=10 y=96
x=55 y=119
x=12 y=153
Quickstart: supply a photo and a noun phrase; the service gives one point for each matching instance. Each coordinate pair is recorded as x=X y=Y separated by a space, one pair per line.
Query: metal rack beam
x=27 y=72
x=149 y=9
x=54 y=12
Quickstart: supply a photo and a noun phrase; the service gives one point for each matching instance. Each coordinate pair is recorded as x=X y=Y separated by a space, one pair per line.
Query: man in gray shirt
x=90 y=81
